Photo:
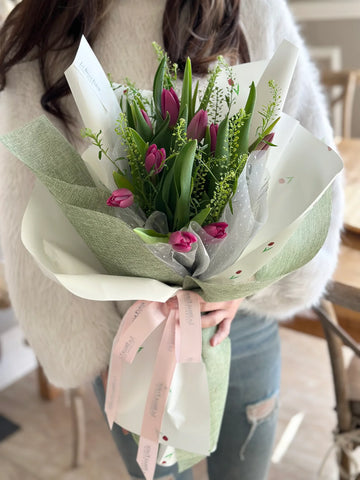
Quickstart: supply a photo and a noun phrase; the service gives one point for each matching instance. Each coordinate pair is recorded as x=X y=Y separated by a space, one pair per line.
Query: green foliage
x=269 y=111
x=112 y=84
x=170 y=74
x=195 y=183
x=243 y=146
x=210 y=88
x=97 y=141
x=150 y=236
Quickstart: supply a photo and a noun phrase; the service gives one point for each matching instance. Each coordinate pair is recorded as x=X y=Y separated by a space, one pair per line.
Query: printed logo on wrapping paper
x=286 y=180
x=269 y=247
x=89 y=77
x=237 y=274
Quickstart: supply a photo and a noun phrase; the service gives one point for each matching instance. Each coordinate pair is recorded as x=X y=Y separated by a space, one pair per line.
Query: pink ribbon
x=181 y=342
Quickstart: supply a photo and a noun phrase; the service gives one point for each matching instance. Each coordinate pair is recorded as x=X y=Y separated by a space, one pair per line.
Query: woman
x=72 y=337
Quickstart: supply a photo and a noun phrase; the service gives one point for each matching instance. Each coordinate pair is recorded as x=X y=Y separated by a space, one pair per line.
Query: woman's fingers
x=213 y=318
x=219 y=318
x=222 y=332
x=210 y=306
x=220 y=314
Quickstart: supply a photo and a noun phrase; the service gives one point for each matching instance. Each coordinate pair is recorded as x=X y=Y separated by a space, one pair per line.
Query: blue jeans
x=248 y=428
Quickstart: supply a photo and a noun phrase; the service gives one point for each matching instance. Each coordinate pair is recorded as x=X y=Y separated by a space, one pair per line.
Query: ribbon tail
x=157 y=398
x=112 y=393
x=146 y=457
x=113 y=390
x=190 y=327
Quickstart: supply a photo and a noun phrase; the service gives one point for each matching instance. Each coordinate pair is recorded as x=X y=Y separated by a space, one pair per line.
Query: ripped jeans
x=249 y=423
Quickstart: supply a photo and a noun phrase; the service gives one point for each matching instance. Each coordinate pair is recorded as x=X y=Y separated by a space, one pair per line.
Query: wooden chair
x=347 y=432
x=337 y=319
x=347 y=80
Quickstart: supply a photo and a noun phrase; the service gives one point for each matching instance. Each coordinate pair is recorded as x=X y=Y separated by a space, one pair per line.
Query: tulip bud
x=155 y=159
x=146 y=118
x=122 y=198
x=197 y=127
x=264 y=144
x=213 y=135
x=182 y=241
x=216 y=230
x=170 y=104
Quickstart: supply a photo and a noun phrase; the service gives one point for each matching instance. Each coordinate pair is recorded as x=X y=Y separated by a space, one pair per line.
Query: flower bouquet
x=212 y=192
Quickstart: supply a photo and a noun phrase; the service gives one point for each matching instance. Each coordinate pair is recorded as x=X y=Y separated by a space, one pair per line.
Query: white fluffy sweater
x=72 y=337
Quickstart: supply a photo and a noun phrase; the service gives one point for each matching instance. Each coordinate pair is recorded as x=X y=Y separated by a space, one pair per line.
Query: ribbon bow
x=181 y=342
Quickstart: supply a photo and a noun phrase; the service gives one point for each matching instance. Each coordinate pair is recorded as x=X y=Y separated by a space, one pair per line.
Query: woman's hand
x=220 y=314
x=214 y=313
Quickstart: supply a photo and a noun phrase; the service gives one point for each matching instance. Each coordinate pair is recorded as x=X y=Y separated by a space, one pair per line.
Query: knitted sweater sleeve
x=304 y=287
x=71 y=337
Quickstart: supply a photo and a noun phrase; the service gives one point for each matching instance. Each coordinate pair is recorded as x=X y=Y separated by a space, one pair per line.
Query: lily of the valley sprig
x=183 y=159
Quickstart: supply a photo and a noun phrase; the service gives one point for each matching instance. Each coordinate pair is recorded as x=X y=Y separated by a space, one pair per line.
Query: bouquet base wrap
x=176 y=402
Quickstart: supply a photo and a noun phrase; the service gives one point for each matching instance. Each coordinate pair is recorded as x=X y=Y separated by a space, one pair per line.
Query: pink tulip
x=170 y=104
x=213 y=136
x=146 y=118
x=197 y=127
x=121 y=197
x=155 y=159
x=263 y=145
x=216 y=230
x=182 y=241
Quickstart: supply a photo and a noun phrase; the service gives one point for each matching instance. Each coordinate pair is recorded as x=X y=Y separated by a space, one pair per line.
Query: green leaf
x=129 y=115
x=162 y=137
x=184 y=113
x=150 y=236
x=122 y=182
x=142 y=146
x=141 y=125
x=222 y=139
x=183 y=167
x=207 y=141
x=201 y=216
x=221 y=154
x=158 y=87
x=186 y=98
x=193 y=100
x=266 y=132
x=245 y=129
x=168 y=197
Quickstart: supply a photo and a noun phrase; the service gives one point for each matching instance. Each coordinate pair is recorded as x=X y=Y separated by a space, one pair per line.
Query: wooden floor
x=42 y=448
